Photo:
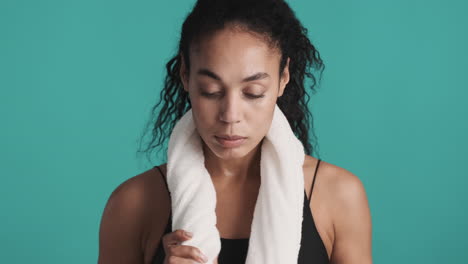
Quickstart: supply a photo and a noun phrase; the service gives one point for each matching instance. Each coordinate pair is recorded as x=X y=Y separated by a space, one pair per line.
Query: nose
x=230 y=109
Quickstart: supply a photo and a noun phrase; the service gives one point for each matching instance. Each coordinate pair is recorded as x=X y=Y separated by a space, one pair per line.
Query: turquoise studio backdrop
x=78 y=79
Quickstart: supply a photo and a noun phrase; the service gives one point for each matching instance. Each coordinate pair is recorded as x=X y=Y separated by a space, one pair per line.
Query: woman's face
x=233 y=86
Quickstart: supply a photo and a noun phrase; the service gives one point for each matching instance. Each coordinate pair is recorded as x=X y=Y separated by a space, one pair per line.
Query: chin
x=229 y=153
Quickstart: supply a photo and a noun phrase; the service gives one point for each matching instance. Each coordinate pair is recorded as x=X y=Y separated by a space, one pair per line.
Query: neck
x=235 y=170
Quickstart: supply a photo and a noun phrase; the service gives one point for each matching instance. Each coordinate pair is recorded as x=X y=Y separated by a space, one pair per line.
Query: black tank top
x=234 y=251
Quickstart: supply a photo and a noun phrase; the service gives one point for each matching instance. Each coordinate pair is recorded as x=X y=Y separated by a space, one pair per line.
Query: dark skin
x=134 y=239
x=137 y=211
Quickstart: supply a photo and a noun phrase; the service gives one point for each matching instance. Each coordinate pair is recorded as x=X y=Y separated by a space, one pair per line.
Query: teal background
x=78 y=78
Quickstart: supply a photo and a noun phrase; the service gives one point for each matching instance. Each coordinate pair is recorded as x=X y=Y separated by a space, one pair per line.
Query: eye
x=253 y=96
x=209 y=95
x=250 y=96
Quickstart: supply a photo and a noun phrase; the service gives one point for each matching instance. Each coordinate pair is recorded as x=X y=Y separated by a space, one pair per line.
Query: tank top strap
x=311 y=188
x=313 y=181
x=164 y=176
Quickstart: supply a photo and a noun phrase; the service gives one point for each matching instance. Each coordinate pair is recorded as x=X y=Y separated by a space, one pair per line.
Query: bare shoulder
x=133 y=216
x=340 y=182
x=347 y=189
x=349 y=213
x=341 y=211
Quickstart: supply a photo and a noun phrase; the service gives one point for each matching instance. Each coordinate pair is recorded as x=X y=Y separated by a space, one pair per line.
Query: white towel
x=277 y=221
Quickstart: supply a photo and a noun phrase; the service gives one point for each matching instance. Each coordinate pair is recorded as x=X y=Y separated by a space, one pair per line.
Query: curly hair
x=277 y=23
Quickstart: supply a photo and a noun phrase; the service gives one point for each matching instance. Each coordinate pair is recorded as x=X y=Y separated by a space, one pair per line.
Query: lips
x=230 y=137
x=230 y=143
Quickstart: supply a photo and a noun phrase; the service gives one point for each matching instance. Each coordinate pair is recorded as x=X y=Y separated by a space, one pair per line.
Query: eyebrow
x=254 y=77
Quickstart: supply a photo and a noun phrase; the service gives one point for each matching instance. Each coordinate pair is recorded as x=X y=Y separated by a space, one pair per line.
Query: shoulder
x=342 y=183
x=349 y=194
x=345 y=186
x=349 y=212
x=135 y=208
x=138 y=193
x=344 y=189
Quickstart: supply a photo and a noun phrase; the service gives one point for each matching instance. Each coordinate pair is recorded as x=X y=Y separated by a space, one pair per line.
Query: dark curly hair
x=274 y=20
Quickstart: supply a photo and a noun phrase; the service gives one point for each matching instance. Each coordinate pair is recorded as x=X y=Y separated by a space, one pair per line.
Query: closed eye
x=255 y=96
x=251 y=96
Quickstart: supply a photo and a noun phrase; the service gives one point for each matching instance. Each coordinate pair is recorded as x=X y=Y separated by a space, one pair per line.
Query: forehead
x=235 y=50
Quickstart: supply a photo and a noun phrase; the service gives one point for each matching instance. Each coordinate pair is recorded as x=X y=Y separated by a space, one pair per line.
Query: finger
x=180 y=260
x=189 y=252
x=174 y=238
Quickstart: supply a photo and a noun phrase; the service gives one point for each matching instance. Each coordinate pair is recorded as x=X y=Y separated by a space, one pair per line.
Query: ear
x=284 y=79
x=183 y=73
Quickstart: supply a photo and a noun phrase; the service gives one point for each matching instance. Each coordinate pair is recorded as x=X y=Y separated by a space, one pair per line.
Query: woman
x=236 y=60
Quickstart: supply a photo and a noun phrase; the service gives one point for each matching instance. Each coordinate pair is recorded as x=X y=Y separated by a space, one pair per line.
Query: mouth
x=230 y=141
x=230 y=137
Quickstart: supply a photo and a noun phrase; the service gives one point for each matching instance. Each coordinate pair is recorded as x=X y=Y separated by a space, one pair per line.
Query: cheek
x=206 y=110
x=260 y=120
x=263 y=123
x=204 y=115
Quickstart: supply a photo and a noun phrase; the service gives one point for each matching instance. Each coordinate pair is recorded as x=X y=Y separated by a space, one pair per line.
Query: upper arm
x=121 y=230
x=352 y=222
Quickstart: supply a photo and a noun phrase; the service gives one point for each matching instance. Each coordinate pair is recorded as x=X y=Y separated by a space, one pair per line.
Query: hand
x=181 y=254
